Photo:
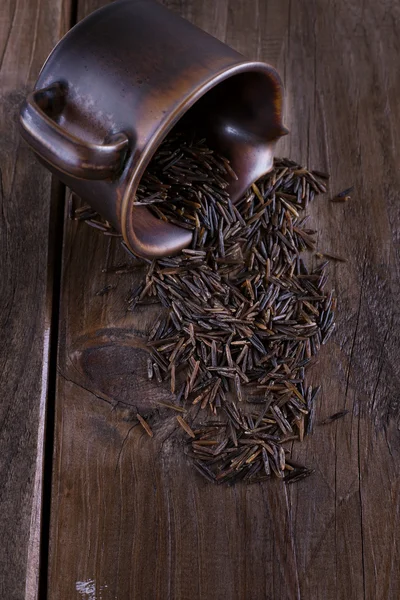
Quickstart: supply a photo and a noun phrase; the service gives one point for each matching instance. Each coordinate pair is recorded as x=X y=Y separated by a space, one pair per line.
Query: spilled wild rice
x=243 y=316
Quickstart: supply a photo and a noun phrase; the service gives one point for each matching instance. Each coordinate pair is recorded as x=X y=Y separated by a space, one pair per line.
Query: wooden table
x=108 y=513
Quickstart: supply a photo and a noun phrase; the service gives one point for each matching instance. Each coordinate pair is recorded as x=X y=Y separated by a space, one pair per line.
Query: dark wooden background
x=128 y=518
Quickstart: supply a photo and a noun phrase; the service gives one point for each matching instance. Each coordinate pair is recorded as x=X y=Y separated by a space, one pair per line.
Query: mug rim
x=150 y=149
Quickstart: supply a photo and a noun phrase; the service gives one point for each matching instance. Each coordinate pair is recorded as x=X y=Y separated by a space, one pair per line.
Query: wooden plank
x=130 y=519
x=343 y=111
x=28 y=31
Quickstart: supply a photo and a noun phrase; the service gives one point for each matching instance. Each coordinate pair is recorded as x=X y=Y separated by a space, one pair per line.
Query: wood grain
x=28 y=31
x=130 y=518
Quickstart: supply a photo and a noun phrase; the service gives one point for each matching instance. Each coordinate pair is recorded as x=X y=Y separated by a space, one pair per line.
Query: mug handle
x=63 y=150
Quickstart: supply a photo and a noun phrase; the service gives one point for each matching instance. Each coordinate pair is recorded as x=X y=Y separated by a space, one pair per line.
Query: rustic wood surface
x=130 y=519
x=28 y=204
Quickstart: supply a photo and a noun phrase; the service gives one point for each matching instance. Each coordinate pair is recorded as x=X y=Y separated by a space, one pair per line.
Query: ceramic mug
x=118 y=82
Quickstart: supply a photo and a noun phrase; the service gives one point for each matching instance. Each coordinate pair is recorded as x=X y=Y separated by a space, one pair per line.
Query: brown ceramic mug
x=118 y=82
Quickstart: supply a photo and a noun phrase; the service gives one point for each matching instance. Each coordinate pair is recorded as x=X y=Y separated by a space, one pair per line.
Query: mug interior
x=240 y=115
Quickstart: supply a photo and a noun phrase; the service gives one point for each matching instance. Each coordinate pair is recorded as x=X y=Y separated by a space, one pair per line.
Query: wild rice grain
x=243 y=315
